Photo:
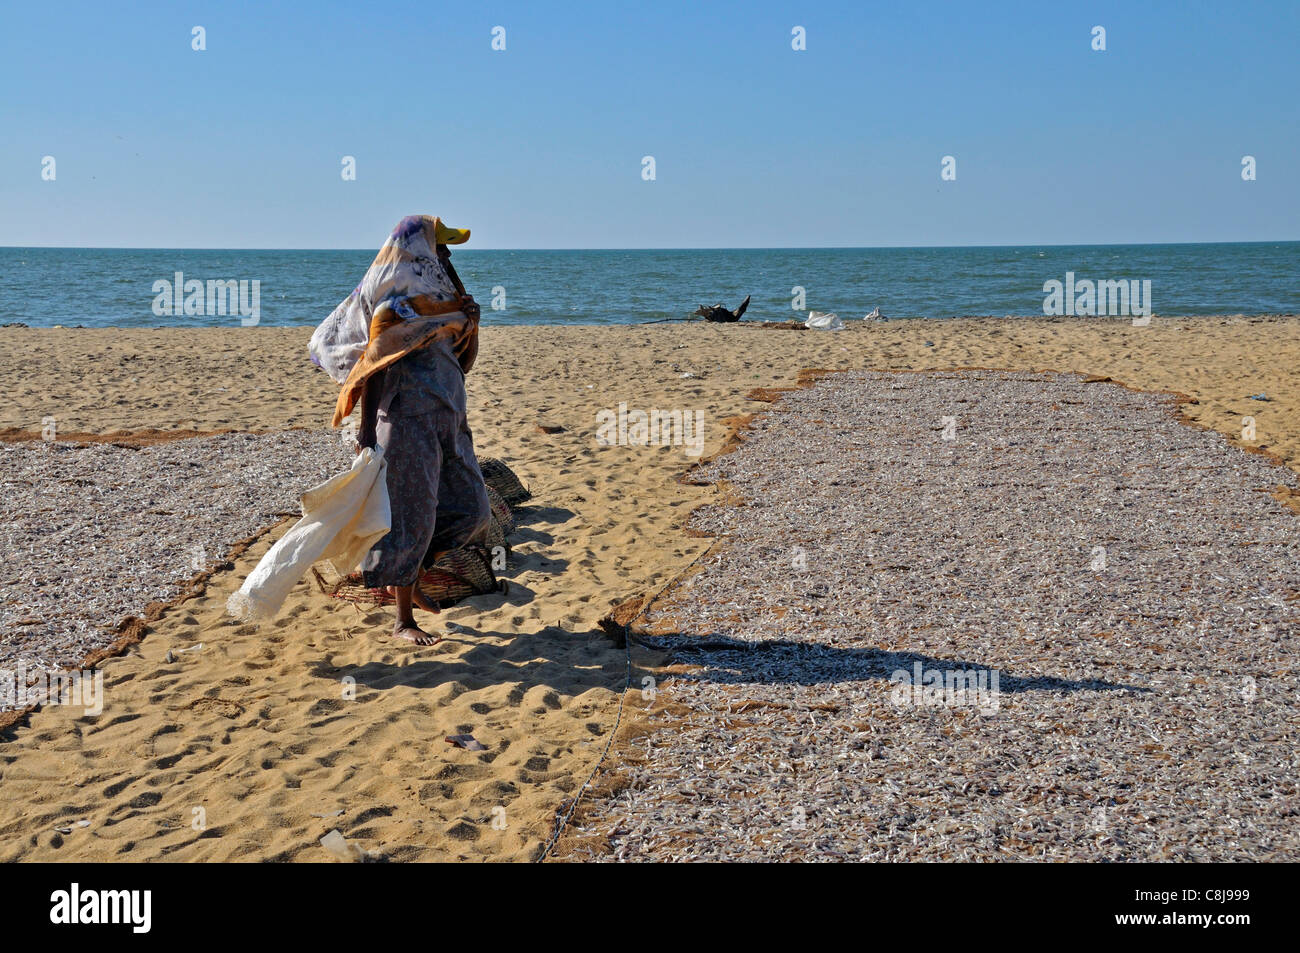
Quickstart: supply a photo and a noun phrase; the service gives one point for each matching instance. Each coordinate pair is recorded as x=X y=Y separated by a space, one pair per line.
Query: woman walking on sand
x=401 y=345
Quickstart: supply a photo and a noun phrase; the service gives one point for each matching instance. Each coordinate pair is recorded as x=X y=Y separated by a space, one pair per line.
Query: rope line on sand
x=563 y=822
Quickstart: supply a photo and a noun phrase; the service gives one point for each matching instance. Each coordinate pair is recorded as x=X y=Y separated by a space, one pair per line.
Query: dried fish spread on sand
x=1127 y=579
x=93 y=533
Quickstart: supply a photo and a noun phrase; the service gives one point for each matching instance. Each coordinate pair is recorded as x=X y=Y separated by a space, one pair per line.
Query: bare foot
x=413 y=633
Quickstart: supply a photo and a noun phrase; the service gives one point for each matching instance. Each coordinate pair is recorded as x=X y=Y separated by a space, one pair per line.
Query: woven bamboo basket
x=501 y=478
x=503 y=522
x=457 y=576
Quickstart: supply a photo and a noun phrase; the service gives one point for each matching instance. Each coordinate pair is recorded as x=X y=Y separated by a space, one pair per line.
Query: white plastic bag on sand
x=823 y=321
x=341 y=519
x=875 y=315
x=340 y=847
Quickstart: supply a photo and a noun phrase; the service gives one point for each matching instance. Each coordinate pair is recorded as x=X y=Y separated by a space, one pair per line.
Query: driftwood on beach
x=717 y=313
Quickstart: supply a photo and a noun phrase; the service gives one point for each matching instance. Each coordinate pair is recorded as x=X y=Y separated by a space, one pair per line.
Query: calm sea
x=114 y=287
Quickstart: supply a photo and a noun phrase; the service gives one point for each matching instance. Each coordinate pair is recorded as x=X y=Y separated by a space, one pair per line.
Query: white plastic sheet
x=824 y=321
x=341 y=519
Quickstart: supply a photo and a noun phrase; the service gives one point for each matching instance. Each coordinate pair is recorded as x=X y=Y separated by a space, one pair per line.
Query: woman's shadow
x=571 y=662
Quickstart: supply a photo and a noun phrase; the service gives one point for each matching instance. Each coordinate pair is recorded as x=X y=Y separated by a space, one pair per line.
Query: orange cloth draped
x=392 y=338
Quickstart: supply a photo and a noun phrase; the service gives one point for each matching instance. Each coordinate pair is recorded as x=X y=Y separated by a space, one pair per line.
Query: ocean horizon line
x=649 y=248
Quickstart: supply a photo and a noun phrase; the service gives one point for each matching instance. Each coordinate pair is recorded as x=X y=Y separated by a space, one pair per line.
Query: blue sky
x=755 y=144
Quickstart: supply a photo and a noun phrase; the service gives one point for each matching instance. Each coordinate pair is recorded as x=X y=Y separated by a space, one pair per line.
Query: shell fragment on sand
x=468 y=742
x=346 y=850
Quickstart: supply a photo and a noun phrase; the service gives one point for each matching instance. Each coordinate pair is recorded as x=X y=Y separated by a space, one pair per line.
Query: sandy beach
x=253 y=731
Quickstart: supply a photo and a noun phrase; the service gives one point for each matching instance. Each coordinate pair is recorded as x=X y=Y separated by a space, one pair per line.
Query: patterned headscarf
x=407 y=266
